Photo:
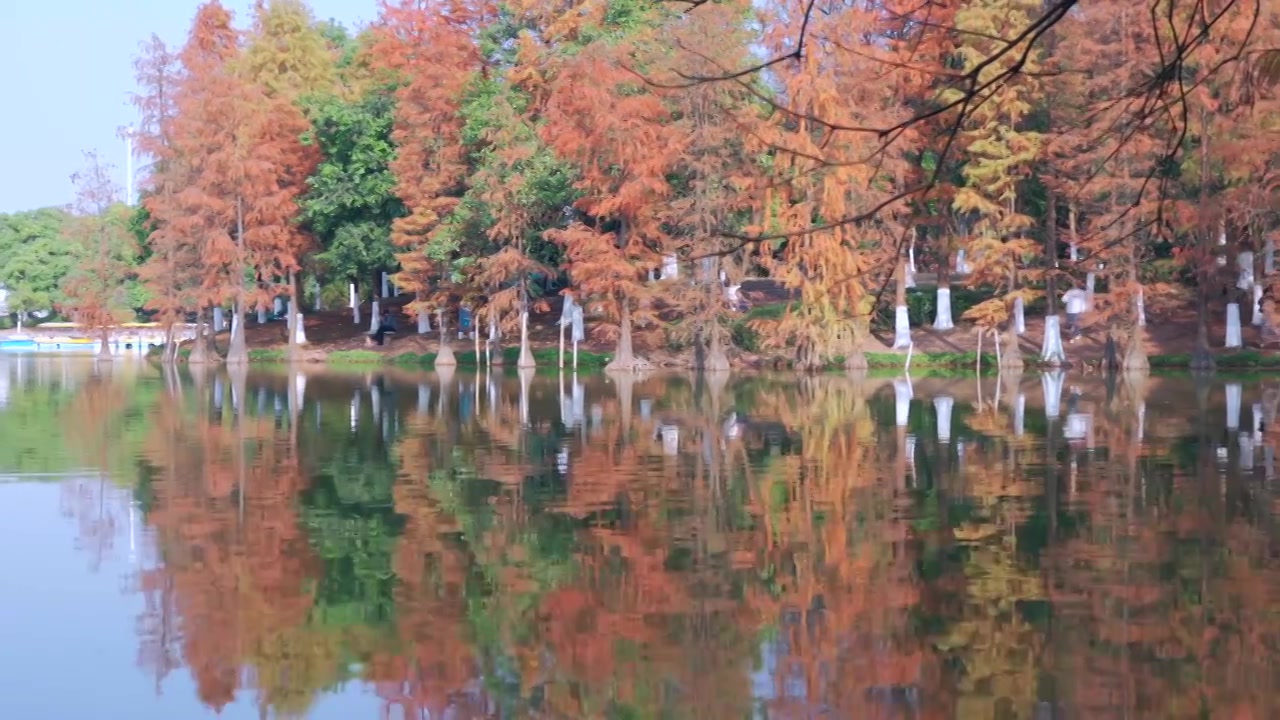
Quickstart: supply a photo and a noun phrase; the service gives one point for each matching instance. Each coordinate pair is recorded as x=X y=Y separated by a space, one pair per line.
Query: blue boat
x=18 y=343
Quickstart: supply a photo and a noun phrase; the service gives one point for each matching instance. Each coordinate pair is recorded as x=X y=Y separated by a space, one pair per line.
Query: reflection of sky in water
x=69 y=635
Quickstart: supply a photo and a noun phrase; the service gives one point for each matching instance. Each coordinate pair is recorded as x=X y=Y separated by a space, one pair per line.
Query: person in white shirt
x=1076 y=301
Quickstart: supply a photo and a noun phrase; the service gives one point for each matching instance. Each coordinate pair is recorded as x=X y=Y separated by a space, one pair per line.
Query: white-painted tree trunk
x=1233 y=391
x=942 y=406
x=262 y=315
x=354 y=303
x=299 y=329
x=1051 y=350
x=962 y=265
x=277 y=306
x=670 y=267
x=1051 y=384
x=901 y=328
x=942 y=317
x=1269 y=259
x=1234 y=339
x=318 y=304
x=1019 y=316
x=1256 y=316
x=1089 y=282
x=219 y=320
x=1142 y=308
x=424 y=322
x=902 y=395
x=386 y=284
x=491 y=341
x=525 y=359
x=1244 y=261
x=375 y=317
x=1073 y=252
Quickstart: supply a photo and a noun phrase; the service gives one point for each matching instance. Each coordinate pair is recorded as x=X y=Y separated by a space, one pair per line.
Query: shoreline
x=592 y=361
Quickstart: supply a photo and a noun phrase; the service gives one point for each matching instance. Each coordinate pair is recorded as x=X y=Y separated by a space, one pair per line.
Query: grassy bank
x=544 y=357
x=1238 y=360
x=953 y=362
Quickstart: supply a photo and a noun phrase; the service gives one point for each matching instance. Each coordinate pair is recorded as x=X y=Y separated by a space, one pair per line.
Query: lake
x=368 y=544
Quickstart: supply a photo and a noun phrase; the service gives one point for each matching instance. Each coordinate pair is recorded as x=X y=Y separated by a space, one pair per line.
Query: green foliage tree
x=33 y=259
x=350 y=202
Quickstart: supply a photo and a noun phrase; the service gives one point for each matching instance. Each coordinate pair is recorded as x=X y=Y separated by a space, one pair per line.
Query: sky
x=66 y=67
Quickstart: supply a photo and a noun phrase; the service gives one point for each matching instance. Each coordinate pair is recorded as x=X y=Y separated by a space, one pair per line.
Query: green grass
x=1241 y=359
x=544 y=357
x=355 y=357
x=268 y=355
x=935 y=360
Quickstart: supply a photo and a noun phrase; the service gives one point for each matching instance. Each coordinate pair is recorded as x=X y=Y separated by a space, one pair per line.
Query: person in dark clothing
x=387 y=326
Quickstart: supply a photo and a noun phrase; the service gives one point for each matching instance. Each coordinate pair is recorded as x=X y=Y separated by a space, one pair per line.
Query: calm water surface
x=358 y=545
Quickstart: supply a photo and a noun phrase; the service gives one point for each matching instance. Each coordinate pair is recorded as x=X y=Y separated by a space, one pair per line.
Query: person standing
x=1075 y=300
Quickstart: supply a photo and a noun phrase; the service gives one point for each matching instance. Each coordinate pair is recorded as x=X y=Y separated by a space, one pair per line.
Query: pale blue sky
x=66 y=72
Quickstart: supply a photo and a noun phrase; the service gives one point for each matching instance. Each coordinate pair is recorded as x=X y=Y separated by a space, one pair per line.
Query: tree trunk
x=716 y=360
x=1135 y=354
x=1011 y=356
x=200 y=344
x=901 y=319
x=169 y=354
x=856 y=360
x=942 y=319
x=238 y=351
x=526 y=355
x=1051 y=255
x=1051 y=350
x=294 y=320
x=495 y=347
x=624 y=358
x=1255 y=295
x=1202 y=356
x=444 y=356
x=104 y=352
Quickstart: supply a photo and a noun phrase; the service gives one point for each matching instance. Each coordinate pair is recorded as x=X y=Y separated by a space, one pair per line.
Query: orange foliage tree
x=623 y=139
x=430 y=50
x=95 y=291
x=239 y=153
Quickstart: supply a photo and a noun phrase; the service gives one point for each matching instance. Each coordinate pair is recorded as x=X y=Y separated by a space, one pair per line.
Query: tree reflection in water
x=499 y=546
